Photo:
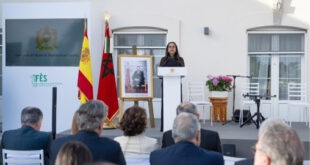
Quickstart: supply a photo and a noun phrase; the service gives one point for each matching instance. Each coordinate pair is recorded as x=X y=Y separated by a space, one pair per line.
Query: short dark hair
x=133 y=121
x=74 y=152
x=31 y=115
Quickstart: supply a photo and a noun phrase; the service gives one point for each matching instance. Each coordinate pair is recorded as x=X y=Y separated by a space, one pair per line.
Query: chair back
x=251 y=89
x=18 y=157
x=297 y=92
x=196 y=91
x=141 y=159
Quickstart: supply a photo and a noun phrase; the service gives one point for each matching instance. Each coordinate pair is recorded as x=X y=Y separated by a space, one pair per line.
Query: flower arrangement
x=219 y=83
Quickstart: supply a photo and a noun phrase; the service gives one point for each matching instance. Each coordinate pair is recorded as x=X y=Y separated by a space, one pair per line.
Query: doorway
x=275 y=59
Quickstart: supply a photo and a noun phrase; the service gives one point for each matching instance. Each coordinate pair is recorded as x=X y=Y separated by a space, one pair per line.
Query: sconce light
x=206 y=30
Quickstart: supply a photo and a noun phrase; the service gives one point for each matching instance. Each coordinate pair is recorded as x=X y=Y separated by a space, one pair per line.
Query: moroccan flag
x=107 y=87
x=85 y=78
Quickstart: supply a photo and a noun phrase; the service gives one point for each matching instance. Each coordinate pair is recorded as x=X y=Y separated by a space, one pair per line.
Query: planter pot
x=219 y=94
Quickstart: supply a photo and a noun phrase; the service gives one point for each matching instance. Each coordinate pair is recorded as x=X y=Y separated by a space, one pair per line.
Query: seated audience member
x=74 y=153
x=278 y=144
x=186 y=133
x=210 y=140
x=249 y=161
x=29 y=136
x=90 y=120
x=74 y=125
x=133 y=125
x=104 y=163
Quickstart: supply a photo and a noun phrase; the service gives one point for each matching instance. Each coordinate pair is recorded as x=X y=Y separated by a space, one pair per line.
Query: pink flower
x=215 y=81
x=219 y=83
x=227 y=79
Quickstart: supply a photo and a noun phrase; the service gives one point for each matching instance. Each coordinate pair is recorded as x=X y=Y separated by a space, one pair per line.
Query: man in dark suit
x=210 y=140
x=29 y=136
x=90 y=120
x=249 y=161
x=138 y=80
x=186 y=133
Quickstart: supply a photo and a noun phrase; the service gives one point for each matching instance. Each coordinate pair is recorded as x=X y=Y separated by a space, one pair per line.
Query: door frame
x=279 y=107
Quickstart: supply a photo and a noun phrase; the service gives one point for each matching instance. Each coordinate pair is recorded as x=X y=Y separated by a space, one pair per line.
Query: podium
x=171 y=93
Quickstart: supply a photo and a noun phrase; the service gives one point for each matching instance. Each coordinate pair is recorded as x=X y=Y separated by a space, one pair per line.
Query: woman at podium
x=172 y=57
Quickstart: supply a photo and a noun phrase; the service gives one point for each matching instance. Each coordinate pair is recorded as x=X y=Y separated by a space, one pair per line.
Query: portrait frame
x=136 y=76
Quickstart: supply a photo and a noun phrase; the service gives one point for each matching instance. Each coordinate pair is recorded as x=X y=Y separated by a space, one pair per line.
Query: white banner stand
x=171 y=93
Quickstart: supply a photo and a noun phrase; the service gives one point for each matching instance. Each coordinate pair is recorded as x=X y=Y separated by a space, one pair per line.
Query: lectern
x=171 y=93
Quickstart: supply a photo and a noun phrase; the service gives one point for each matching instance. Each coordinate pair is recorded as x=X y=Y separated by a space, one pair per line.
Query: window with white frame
x=0 y=61
x=275 y=59
x=149 y=41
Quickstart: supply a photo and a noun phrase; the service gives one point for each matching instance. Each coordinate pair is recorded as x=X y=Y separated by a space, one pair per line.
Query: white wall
x=18 y=90
x=223 y=51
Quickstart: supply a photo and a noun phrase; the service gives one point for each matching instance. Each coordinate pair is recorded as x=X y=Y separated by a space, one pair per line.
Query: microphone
x=234 y=76
x=250 y=76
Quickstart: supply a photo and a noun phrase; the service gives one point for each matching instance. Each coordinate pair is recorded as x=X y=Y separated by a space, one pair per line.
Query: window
x=148 y=41
x=276 y=60
x=0 y=61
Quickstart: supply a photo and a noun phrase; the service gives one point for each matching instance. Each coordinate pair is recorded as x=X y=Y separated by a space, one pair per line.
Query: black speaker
x=246 y=115
x=229 y=150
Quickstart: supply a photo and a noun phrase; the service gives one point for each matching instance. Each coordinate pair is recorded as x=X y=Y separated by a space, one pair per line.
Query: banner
x=43 y=42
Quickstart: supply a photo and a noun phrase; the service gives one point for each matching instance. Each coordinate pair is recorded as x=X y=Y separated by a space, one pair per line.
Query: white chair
x=231 y=160
x=297 y=97
x=18 y=157
x=196 y=95
x=141 y=159
x=306 y=162
x=251 y=89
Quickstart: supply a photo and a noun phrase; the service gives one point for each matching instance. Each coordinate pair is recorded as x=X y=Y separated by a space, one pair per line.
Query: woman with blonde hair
x=74 y=153
x=74 y=125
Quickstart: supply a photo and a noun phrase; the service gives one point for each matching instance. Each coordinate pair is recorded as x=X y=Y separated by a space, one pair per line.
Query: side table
x=219 y=108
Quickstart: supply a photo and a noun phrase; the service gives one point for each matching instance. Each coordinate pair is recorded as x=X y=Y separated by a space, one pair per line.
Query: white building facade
x=266 y=39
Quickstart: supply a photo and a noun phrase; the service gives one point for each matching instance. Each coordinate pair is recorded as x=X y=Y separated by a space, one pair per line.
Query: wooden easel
x=136 y=101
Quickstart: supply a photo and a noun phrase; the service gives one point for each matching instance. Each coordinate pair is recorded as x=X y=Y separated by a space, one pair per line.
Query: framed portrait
x=136 y=76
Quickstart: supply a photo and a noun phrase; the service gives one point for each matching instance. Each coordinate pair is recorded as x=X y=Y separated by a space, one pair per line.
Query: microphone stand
x=234 y=95
x=259 y=117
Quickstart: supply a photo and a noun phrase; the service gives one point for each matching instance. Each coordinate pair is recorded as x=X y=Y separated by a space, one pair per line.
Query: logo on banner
x=41 y=80
x=46 y=39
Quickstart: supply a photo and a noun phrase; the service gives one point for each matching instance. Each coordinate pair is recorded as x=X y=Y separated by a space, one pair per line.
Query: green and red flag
x=107 y=85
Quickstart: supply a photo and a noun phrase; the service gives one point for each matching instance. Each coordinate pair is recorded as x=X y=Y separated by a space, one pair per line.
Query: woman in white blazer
x=133 y=124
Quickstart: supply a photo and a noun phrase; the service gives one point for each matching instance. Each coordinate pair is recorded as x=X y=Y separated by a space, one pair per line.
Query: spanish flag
x=85 y=78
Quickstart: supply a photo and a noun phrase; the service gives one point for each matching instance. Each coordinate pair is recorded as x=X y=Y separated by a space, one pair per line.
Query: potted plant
x=219 y=85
